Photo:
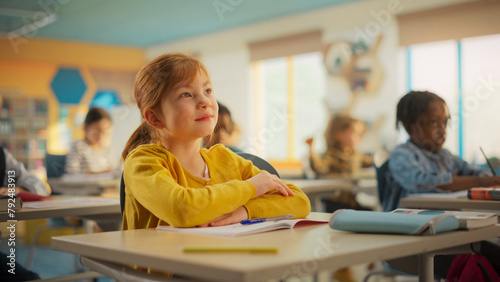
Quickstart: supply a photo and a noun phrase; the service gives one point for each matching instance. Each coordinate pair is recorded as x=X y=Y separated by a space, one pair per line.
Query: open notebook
x=238 y=229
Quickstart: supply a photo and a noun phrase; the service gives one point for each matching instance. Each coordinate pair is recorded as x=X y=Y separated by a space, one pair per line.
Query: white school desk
x=105 y=211
x=449 y=203
x=303 y=250
x=316 y=189
x=83 y=188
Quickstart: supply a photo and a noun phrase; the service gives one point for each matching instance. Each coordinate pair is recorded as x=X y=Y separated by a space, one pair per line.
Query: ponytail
x=142 y=135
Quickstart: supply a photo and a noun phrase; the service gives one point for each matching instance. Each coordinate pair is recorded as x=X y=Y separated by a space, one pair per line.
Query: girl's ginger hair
x=336 y=124
x=154 y=80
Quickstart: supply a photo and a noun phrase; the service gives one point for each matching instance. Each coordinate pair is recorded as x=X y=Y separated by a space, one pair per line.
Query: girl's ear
x=153 y=119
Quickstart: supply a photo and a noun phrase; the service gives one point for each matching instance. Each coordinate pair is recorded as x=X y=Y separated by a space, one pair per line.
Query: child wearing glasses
x=422 y=165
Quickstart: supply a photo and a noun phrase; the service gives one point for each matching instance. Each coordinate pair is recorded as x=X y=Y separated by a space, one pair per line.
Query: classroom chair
x=259 y=162
x=54 y=165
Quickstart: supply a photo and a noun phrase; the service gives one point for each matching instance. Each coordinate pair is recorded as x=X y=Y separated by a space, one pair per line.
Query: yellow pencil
x=252 y=249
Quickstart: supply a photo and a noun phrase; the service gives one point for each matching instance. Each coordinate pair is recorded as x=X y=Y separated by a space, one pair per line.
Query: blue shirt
x=413 y=169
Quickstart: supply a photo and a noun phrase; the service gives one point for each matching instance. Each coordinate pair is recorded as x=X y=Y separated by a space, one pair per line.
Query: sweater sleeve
x=154 y=182
x=464 y=168
x=23 y=178
x=272 y=203
x=410 y=174
x=321 y=164
x=73 y=160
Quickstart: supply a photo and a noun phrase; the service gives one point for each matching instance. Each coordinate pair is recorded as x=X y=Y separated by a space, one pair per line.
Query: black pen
x=488 y=162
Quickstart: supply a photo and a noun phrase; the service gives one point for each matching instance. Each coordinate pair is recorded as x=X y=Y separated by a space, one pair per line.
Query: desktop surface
x=441 y=203
x=302 y=250
x=60 y=206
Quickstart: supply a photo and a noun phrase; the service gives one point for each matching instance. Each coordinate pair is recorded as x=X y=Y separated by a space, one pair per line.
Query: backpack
x=471 y=267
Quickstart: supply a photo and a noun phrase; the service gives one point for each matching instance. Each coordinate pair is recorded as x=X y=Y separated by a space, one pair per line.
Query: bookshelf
x=23 y=129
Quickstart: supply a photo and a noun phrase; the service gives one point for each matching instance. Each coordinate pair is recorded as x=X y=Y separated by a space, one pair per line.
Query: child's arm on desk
x=465 y=182
x=263 y=182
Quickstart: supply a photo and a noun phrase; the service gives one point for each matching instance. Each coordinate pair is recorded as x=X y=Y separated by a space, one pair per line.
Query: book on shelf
x=484 y=193
x=466 y=219
x=239 y=229
x=10 y=202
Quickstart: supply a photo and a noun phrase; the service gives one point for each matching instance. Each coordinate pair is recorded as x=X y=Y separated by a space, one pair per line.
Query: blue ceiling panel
x=143 y=23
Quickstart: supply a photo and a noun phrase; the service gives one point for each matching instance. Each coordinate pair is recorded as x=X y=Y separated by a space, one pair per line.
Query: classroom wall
x=27 y=69
x=226 y=55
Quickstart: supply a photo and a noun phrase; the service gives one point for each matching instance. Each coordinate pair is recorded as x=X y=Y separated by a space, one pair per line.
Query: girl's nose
x=204 y=102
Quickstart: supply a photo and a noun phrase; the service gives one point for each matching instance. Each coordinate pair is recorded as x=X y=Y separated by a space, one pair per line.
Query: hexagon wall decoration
x=106 y=99
x=68 y=86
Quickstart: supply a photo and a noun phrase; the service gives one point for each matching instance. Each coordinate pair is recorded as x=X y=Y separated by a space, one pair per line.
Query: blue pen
x=264 y=219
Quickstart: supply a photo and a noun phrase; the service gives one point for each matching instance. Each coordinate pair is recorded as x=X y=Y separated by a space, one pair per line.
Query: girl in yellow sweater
x=170 y=180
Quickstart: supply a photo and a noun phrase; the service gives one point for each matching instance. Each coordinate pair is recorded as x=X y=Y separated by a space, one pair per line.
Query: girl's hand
x=236 y=216
x=310 y=141
x=265 y=182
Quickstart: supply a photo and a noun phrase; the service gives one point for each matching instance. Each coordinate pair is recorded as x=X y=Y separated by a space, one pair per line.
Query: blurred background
x=282 y=67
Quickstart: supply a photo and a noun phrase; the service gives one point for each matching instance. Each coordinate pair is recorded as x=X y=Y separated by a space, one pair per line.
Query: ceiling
x=140 y=23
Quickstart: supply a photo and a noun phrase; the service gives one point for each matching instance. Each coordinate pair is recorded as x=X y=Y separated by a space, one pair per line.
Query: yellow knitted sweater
x=159 y=191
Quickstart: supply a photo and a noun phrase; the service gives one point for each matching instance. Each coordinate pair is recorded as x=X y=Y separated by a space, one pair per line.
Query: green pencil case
x=392 y=223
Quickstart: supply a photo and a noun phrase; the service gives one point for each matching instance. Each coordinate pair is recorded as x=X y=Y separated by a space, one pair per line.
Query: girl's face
x=99 y=132
x=189 y=111
x=349 y=138
x=430 y=130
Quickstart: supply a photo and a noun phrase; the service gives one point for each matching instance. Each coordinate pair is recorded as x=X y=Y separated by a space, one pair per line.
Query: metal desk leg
x=425 y=267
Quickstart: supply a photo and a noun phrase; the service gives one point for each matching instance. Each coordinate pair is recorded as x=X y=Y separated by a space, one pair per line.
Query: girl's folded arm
x=272 y=204
x=156 y=188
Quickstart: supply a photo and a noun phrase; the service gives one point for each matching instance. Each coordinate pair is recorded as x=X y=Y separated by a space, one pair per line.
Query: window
x=481 y=96
x=291 y=97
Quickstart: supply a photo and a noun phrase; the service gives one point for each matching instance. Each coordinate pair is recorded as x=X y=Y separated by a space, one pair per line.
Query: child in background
x=421 y=165
x=24 y=181
x=93 y=154
x=342 y=136
x=226 y=131
x=169 y=180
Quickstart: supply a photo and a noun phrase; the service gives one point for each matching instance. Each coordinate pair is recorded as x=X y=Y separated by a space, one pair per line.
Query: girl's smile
x=207 y=117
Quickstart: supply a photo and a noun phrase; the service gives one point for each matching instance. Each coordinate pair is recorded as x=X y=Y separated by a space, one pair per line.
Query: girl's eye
x=208 y=91
x=185 y=94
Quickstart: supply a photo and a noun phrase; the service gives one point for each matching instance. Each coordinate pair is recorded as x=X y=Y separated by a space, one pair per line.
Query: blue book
x=392 y=223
